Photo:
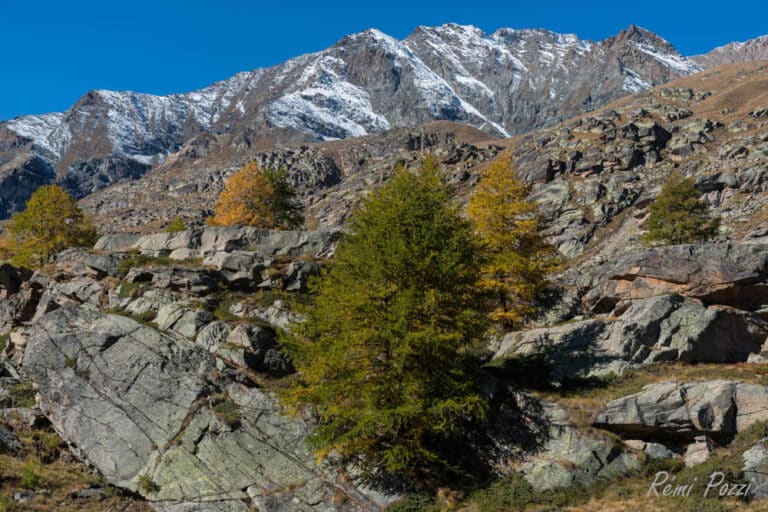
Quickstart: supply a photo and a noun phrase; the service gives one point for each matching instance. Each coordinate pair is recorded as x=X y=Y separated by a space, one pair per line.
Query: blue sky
x=55 y=51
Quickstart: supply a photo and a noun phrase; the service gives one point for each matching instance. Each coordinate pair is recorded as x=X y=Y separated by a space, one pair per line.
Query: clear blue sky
x=55 y=51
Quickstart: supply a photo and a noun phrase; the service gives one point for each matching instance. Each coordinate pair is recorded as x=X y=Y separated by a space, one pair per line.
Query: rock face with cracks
x=674 y=410
x=142 y=407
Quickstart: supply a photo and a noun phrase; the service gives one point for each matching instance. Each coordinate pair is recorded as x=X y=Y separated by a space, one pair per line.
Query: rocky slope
x=506 y=82
x=593 y=174
x=154 y=358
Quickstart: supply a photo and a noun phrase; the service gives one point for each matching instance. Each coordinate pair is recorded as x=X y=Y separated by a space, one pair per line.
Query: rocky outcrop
x=755 y=469
x=567 y=456
x=673 y=410
x=654 y=329
x=147 y=407
x=698 y=451
x=729 y=274
x=240 y=245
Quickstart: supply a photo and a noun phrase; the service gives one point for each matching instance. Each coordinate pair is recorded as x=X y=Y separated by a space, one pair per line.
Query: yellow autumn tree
x=258 y=198
x=520 y=258
x=51 y=222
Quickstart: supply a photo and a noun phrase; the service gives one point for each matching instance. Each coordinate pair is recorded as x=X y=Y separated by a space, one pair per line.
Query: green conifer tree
x=679 y=216
x=384 y=356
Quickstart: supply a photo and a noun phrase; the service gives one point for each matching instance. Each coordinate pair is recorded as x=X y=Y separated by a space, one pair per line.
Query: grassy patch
x=226 y=301
x=227 y=412
x=43 y=467
x=129 y=289
x=147 y=485
x=23 y=394
x=136 y=259
x=145 y=318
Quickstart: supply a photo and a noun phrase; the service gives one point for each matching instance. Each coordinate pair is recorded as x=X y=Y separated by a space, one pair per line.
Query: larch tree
x=384 y=356
x=679 y=216
x=520 y=258
x=258 y=198
x=51 y=222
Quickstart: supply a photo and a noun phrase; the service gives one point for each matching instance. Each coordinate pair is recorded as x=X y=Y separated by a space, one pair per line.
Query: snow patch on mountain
x=633 y=82
x=327 y=105
x=672 y=60
x=37 y=128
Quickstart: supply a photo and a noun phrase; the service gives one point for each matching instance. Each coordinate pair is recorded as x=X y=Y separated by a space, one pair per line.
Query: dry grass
x=612 y=502
x=46 y=467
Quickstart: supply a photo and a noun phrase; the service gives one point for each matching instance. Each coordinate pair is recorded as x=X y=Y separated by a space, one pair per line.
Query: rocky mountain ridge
x=504 y=83
x=593 y=175
x=753 y=49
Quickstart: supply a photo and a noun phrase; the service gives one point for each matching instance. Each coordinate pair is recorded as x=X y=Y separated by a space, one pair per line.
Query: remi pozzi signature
x=716 y=486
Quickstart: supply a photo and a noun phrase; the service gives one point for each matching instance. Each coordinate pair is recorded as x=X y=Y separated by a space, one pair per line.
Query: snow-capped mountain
x=754 y=49
x=504 y=83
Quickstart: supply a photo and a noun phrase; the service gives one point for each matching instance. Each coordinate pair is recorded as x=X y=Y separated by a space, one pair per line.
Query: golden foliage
x=520 y=259
x=258 y=198
x=51 y=222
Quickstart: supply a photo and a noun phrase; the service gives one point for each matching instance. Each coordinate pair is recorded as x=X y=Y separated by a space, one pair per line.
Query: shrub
x=176 y=225
x=147 y=485
x=227 y=412
x=30 y=474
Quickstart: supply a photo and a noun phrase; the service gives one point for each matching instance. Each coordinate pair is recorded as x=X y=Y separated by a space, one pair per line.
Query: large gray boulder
x=715 y=273
x=198 y=281
x=81 y=262
x=142 y=407
x=572 y=351
x=152 y=300
x=566 y=455
x=755 y=469
x=674 y=410
x=254 y=346
x=182 y=319
x=655 y=329
x=241 y=269
x=117 y=242
x=213 y=335
x=676 y=328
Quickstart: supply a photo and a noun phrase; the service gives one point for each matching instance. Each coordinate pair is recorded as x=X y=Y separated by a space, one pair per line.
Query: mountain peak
x=505 y=82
